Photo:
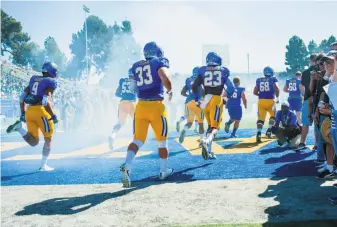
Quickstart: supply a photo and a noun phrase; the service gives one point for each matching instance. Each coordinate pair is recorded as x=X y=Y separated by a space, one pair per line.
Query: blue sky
x=261 y=29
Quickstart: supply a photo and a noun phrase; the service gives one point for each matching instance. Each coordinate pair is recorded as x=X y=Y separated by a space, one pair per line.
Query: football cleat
x=227 y=127
x=258 y=137
x=111 y=143
x=45 y=168
x=204 y=149
x=212 y=156
x=268 y=133
x=234 y=136
x=285 y=145
x=125 y=176
x=178 y=126
x=164 y=175
x=14 y=127
x=182 y=136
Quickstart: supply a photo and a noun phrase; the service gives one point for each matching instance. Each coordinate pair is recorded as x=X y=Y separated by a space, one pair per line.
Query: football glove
x=54 y=119
x=23 y=117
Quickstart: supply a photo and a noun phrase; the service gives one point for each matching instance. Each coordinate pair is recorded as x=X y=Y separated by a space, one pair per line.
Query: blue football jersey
x=293 y=86
x=265 y=86
x=39 y=84
x=235 y=98
x=149 y=84
x=123 y=90
x=191 y=96
x=214 y=78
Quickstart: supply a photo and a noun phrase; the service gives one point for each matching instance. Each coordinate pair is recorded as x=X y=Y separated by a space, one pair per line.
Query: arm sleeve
x=229 y=87
x=119 y=89
x=197 y=82
x=278 y=119
x=163 y=62
x=183 y=91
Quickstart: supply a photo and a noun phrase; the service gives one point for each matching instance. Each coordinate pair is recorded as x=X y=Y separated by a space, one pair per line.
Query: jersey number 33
x=144 y=75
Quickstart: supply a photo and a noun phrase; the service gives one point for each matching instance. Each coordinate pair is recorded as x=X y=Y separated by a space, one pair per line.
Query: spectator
x=318 y=80
x=306 y=119
x=289 y=131
x=324 y=112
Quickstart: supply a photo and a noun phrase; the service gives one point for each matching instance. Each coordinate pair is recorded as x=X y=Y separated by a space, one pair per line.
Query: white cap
x=285 y=103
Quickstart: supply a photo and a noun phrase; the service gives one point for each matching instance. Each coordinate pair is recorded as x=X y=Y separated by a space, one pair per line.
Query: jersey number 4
x=212 y=78
x=144 y=75
x=264 y=86
x=34 y=88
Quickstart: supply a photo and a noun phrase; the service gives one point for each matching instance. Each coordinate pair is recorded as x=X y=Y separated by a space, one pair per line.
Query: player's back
x=265 y=86
x=126 y=93
x=191 y=96
x=39 y=84
x=235 y=99
x=150 y=86
x=213 y=78
x=293 y=85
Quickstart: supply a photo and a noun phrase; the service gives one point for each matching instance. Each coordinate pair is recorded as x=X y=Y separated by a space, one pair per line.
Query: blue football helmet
x=152 y=50
x=213 y=58
x=50 y=68
x=268 y=71
x=130 y=73
x=195 y=71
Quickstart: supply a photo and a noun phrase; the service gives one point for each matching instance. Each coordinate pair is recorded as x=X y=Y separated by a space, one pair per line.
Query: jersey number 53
x=144 y=75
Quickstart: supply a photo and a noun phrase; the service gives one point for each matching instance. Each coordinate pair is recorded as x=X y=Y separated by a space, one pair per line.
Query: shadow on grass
x=74 y=205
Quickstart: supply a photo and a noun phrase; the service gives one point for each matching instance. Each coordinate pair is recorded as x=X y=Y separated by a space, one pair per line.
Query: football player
x=266 y=89
x=150 y=77
x=192 y=106
x=295 y=98
x=213 y=77
x=188 y=98
x=126 y=106
x=40 y=114
x=234 y=106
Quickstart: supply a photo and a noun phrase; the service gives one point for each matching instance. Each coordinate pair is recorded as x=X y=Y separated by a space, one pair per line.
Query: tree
x=331 y=40
x=312 y=47
x=296 y=55
x=99 y=39
x=53 y=53
x=324 y=46
x=16 y=42
x=108 y=47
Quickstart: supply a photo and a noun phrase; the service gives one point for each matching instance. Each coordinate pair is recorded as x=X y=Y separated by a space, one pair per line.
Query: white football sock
x=22 y=131
x=163 y=165
x=130 y=156
x=329 y=167
x=44 y=160
x=182 y=119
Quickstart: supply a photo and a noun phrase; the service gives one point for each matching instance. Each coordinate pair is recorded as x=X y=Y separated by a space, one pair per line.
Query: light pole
x=248 y=62
x=86 y=10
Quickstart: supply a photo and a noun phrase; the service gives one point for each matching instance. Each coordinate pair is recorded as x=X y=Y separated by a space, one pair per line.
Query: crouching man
x=286 y=128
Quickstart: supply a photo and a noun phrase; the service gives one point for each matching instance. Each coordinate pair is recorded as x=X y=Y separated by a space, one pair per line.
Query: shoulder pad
x=162 y=62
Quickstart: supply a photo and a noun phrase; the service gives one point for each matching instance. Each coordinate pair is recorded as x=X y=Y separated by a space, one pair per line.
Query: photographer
x=304 y=86
x=325 y=113
x=289 y=132
x=318 y=81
